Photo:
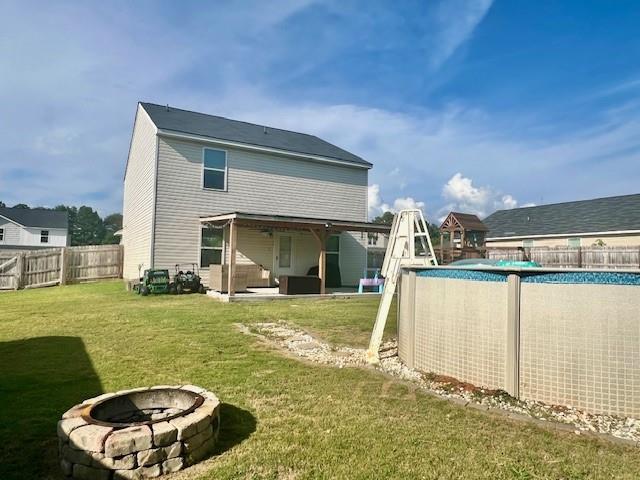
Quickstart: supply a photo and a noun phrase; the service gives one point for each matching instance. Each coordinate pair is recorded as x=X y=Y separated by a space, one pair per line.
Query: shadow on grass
x=236 y=425
x=40 y=378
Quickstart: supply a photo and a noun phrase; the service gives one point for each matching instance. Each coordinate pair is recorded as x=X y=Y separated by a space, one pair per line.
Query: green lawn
x=282 y=418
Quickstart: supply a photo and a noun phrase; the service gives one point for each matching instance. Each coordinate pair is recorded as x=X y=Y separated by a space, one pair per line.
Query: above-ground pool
x=560 y=337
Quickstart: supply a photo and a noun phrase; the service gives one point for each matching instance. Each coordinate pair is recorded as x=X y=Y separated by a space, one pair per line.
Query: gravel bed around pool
x=303 y=345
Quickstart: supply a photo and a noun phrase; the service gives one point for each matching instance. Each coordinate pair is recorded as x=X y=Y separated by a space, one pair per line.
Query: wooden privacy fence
x=58 y=266
x=572 y=257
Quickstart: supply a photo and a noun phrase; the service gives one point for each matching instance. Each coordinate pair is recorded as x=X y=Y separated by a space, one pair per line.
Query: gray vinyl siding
x=139 y=190
x=256 y=183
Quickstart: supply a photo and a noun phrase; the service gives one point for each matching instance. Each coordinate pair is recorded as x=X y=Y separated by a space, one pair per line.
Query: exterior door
x=283 y=254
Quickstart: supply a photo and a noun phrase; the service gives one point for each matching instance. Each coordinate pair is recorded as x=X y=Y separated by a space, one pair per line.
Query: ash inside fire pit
x=139 y=433
x=145 y=407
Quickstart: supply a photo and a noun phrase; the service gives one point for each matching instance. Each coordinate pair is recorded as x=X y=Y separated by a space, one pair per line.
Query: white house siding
x=256 y=183
x=139 y=192
x=11 y=233
x=18 y=236
x=30 y=236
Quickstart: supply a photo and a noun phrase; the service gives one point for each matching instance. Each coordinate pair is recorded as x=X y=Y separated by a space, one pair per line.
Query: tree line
x=86 y=227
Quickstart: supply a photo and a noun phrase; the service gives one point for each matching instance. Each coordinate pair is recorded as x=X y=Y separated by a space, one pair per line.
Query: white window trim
x=46 y=236
x=223 y=248
x=226 y=170
x=2 y=235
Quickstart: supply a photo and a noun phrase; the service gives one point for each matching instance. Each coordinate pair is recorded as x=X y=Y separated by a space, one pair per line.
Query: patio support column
x=233 y=237
x=321 y=237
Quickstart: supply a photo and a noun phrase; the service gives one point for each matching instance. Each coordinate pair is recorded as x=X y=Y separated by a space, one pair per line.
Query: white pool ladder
x=408 y=227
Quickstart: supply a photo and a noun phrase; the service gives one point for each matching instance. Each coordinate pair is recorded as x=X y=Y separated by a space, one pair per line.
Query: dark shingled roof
x=36 y=218
x=184 y=121
x=598 y=215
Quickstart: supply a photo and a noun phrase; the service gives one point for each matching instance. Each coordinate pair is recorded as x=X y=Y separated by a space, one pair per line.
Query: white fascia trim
x=246 y=146
x=562 y=235
x=13 y=221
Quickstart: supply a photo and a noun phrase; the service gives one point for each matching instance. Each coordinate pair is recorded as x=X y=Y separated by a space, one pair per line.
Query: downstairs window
x=211 y=247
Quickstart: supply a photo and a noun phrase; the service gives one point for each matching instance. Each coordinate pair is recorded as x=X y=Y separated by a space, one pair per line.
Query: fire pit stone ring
x=138 y=433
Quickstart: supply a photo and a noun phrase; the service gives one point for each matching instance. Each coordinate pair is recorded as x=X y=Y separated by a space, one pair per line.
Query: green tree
x=88 y=228
x=21 y=205
x=2 y=205
x=112 y=223
x=72 y=212
x=386 y=218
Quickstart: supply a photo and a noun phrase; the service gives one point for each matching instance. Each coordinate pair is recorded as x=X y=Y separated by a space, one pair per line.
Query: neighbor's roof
x=220 y=128
x=28 y=217
x=468 y=221
x=598 y=215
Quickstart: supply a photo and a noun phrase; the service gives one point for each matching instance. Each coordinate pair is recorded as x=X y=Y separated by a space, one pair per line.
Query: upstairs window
x=44 y=236
x=214 y=174
x=211 y=247
x=1 y=234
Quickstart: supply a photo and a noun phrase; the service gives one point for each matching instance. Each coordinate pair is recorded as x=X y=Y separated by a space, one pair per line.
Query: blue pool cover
x=608 y=278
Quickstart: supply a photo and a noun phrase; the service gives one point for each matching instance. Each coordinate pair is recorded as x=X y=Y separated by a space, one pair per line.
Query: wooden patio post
x=321 y=237
x=233 y=236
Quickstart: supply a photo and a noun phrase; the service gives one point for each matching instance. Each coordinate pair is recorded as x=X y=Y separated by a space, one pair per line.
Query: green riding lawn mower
x=157 y=281
x=153 y=281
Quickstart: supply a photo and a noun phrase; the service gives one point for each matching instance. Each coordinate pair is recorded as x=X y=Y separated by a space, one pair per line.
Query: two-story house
x=209 y=190
x=25 y=228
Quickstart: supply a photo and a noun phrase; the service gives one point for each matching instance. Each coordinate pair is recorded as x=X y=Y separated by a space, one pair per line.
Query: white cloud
x=377 y=206
x=462 y=195
x=457 y=20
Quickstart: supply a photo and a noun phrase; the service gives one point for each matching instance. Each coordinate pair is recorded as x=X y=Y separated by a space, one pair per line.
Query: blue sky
x=466 y=104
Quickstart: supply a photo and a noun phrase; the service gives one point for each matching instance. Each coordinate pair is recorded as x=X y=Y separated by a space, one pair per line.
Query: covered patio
x=319 y=229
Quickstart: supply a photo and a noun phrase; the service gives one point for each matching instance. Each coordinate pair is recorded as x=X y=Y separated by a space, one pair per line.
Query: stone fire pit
x=139 y=433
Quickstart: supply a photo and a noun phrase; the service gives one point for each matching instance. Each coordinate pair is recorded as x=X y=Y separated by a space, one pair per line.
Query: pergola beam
x=233 y=240
x=321 y=238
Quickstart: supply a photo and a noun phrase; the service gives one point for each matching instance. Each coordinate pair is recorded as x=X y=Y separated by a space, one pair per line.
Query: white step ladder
x=408 y=226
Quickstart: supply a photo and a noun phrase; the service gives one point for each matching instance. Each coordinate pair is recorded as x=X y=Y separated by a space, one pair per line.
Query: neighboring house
x=33 y=228
x=376 y=248
x=191 y=177
x=611 y=221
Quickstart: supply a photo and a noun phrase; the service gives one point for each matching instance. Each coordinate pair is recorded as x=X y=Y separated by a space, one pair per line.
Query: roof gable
x=467 y=221
x=28 y=217
x=608 y=214
x=220 y=128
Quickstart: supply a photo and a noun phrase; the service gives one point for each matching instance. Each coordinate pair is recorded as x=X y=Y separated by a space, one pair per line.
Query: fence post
x=20 y=264
x=579 y=257
x=64 y=263
x=409 y=294
x=512 y=363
